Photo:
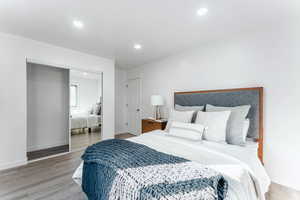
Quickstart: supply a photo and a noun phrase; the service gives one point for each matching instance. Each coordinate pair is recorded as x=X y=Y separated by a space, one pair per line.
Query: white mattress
x=247 y=177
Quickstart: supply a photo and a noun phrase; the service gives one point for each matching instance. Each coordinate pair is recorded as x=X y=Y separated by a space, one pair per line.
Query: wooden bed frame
x=261 y=129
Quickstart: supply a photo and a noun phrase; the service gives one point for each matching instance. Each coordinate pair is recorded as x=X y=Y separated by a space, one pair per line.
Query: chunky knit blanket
x=123 y=170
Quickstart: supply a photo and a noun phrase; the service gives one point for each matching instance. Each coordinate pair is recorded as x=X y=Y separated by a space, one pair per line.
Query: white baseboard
x=287 y=185
x=13 y=164
x=119 y=131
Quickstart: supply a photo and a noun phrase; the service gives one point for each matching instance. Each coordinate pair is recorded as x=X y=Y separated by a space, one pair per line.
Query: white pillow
x=188 y=108
x=245 y=129
x=216 y=123
x=235 y=124
x=186 y=130
x=179 y=116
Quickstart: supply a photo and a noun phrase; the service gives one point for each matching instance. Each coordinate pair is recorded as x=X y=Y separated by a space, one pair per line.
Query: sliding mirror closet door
x=47 y=110
x=85 y=108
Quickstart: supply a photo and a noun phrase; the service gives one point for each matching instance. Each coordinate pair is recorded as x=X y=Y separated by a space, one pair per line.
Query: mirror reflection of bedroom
x=85 y=108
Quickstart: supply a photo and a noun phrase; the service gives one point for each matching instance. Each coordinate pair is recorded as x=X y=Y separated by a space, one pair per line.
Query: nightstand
x=151 y=125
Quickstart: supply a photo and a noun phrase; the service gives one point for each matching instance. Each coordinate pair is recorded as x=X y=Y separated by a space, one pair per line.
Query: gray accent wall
x=47 y=106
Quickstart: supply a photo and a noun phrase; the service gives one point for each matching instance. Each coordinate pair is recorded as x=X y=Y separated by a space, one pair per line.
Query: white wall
x=47 y=107
x=89 y=93
x=269 y=59
x=121 y=100
x=13 y=53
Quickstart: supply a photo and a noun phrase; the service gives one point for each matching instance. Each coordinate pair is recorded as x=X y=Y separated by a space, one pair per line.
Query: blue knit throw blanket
x=123 y=170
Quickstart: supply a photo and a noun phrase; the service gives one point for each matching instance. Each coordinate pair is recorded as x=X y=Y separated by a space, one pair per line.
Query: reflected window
x=74 y=101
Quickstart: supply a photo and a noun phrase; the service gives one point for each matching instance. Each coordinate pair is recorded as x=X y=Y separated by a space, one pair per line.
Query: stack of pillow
x=217 y=124
x=96 y=110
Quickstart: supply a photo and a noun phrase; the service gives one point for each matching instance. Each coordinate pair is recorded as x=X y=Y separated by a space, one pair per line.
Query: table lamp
x=157 y=101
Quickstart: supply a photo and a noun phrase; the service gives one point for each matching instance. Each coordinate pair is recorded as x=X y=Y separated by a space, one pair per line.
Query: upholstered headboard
x=230 y=98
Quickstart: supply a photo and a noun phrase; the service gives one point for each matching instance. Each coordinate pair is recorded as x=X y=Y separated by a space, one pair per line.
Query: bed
x=81 y=121
x=241 y=166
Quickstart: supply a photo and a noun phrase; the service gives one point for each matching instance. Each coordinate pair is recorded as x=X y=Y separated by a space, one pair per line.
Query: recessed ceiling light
x=78 y=24
x=137 y=46
x=202 y=11
x=85 y=73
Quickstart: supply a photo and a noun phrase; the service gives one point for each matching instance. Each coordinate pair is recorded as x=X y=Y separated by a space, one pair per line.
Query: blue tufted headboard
x=230 y=98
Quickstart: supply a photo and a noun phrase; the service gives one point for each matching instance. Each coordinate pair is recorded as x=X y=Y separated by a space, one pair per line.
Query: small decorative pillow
x=234 y=132
x=186 y=130
x=215 y=123
x=190 y=108
x=179 y=116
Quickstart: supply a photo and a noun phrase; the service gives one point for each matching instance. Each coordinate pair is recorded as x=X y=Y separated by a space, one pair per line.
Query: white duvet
x=85 y=121
x=246 y=176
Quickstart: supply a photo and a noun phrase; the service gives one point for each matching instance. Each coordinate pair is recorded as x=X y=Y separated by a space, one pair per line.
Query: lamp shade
x=157 y=100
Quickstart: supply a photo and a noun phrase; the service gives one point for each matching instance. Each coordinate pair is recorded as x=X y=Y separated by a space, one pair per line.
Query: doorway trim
x=50 y=64
x=140 y=103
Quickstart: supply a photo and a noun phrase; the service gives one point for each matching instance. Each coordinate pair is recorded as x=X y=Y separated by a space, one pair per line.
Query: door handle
x=138 y=110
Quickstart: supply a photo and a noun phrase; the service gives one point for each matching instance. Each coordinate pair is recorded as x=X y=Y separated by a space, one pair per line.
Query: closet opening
x=47 y=110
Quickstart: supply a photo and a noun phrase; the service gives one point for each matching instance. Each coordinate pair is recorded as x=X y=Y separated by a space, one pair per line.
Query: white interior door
x=133 y=101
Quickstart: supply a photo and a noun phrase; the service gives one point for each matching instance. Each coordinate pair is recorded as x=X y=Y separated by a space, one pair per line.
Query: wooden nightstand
x=151 y=124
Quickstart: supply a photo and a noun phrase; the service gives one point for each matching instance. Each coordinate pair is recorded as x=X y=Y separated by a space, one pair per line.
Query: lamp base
x=157 y=114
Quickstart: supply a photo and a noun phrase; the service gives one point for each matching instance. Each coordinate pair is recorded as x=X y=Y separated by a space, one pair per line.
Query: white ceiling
x=162 y=27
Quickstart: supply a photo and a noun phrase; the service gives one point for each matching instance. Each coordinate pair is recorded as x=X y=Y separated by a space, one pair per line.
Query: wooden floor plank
x=84 y=139
x=45 y=179
x=124 y=136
